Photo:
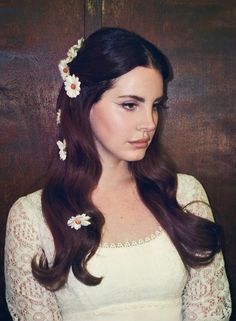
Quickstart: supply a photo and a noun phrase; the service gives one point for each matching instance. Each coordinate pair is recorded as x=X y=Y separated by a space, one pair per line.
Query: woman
x=115 y=234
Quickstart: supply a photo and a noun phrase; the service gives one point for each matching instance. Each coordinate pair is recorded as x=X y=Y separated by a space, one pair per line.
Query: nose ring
x=144 y=132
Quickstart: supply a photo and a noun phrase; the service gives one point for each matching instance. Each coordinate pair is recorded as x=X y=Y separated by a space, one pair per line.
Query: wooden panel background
x=198 y=36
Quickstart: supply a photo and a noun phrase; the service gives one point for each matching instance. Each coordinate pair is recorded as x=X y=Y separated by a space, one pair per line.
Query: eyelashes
x=133 y=106
x=129 y=106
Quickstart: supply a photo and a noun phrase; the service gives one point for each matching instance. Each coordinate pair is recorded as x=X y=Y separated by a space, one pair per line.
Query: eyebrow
x=140 y=99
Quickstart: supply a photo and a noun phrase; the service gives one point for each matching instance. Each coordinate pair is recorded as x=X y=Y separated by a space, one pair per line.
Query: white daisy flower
x=72 y=86
x=79 y=220
x=64 y=69
x=58 y=116
x=72 y=53
x=80 y=43
x=62 y=149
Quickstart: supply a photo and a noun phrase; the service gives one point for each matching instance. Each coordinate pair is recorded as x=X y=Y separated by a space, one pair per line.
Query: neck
x=114 y=175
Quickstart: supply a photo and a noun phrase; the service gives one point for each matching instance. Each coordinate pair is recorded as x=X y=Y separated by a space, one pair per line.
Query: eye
x=129 y=106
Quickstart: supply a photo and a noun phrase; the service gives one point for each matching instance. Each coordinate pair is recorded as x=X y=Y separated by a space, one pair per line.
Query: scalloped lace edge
x=141 y=241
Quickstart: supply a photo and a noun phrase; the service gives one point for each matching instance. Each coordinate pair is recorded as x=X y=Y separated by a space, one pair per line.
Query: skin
x=127 y=113
x=123 y=123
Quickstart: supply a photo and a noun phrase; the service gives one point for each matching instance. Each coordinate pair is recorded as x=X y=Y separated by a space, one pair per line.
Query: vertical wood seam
x=92 y=16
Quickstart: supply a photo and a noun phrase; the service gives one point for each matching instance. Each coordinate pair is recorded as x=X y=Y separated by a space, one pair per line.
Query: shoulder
x=28 y=206
x=190 y=189
x=29 y=200
x=186 y=180
x=192 y=195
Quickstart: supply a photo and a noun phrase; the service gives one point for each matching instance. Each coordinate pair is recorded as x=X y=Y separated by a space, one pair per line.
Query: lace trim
x=133 y=243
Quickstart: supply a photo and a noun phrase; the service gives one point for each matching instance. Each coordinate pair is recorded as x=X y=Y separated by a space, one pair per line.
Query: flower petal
x=82 y=219
x=64 y=69
x=85 y=223
x=72 y=86
x=58 y=119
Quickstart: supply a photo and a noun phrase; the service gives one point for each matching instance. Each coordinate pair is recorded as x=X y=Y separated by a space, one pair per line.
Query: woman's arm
x=27 y=299
x=206 y=296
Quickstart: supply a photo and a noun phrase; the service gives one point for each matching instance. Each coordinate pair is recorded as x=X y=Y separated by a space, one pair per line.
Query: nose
x=148 y=120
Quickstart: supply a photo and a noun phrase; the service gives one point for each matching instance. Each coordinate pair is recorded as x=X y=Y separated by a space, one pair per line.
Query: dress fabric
x=142 y=280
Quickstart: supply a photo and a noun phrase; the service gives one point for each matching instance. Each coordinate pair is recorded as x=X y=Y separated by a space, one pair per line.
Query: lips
x=140 y=143
x=143 y=140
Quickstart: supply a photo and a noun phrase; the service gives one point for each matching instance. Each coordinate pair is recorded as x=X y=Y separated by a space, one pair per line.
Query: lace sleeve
x=27 y=300
x=206 y=296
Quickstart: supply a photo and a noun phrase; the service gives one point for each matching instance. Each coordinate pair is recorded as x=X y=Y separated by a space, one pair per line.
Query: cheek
x=107 y=124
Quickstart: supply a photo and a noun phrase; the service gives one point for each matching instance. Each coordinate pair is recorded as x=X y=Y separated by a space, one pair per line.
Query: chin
x=136 y=157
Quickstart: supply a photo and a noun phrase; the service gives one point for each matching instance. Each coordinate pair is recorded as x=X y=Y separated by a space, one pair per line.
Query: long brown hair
x=105 y=55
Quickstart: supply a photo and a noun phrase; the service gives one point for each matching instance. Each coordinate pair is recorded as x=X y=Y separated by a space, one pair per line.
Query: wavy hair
x=105 y=55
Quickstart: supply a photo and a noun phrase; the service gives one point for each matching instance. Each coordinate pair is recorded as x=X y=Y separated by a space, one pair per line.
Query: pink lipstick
x=140 y=143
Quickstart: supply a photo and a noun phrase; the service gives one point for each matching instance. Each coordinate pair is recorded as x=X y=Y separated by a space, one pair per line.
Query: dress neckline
x=132 y=243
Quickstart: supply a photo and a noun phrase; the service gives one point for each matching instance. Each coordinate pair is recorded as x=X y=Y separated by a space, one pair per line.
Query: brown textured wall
x=199 y=38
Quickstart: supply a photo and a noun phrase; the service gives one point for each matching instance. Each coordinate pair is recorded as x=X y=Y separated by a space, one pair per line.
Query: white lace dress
x=143 y=280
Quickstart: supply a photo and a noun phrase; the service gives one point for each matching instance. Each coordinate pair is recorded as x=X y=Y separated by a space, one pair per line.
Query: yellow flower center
x=77 y=221
x=72 y=86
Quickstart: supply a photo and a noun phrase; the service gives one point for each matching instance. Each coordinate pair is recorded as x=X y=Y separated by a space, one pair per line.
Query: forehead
x=141 y=81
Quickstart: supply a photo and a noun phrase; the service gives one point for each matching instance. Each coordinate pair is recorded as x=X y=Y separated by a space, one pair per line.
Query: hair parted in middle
x=104 y=56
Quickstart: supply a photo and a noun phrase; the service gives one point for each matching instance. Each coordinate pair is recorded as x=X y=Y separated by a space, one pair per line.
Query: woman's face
x=124 y=120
